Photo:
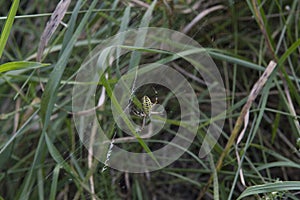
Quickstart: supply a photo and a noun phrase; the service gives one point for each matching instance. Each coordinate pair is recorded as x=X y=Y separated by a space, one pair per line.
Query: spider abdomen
x=147 y=105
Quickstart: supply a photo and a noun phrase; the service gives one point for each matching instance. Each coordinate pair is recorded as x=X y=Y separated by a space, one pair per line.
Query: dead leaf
x=52 y=25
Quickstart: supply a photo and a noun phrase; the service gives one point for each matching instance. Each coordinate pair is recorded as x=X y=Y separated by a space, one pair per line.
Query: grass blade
x=54 y=182
x=136 y=56
x=8 y=25
x=270 y=187
x=49 y=97
x=10 y=66
x=52 y=25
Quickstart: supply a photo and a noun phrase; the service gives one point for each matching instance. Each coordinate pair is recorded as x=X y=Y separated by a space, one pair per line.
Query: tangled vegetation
x=41 y=154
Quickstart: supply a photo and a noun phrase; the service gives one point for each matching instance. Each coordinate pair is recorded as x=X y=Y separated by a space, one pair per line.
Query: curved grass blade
x=270 y=187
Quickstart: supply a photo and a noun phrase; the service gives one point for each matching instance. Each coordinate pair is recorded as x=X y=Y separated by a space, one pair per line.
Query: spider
x=144 y=109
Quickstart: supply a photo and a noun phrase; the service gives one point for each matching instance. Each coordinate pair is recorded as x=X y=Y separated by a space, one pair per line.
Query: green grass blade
x=54 y=182
x=62 y=163
x=279 y=164
x=10 y=66
x=125 y=20
x=28 y=182
x=41 y=185
x=54 y=152
x=147 y=17
x=136 y=56
x=8 y=25
x=123 y=27
x=271 y=187
x=233 y=59
x=57 y=156
x=18 y=133
x=290 y=50
x=71 y=27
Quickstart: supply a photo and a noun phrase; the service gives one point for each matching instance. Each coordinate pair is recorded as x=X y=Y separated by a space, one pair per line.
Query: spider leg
x=157 y=112
x=136 y=111
x=144 y=122
x=156 y=98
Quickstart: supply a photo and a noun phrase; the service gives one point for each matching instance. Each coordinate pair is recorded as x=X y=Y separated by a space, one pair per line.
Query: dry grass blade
x=140 y=3
x=253 y=94
x=262 y=26
x=200 y=16
x=17 y=115
x=291 y=105
x=242 y=119
x=192 y=8
x=52 y=25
